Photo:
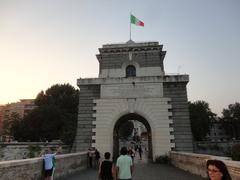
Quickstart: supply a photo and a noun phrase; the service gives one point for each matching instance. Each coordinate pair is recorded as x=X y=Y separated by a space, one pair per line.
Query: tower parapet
x=146 y=57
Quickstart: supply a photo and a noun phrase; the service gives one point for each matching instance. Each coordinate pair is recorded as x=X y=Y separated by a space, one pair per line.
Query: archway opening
x=140 y=136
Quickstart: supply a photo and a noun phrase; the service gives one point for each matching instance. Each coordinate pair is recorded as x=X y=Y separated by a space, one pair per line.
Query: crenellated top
x=131 y=46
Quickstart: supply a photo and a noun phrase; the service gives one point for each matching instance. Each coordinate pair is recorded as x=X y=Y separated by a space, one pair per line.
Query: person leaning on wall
x=48 y=162
x=217 y=170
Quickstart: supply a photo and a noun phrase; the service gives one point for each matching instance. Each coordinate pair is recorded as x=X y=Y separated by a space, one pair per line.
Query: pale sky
x=44 y=42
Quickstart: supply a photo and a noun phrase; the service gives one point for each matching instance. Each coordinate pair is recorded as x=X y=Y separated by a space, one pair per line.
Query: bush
x=33 y=150
x=162 y=159
x=201 y=146
x=236 y=152
x=228 y=151
x=214 y=147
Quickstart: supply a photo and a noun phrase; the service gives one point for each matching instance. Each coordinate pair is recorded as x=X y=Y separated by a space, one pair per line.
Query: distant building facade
x=22 y=108
x=132 y=85
x=139 y=128
x=1 y=117
x=217 y=132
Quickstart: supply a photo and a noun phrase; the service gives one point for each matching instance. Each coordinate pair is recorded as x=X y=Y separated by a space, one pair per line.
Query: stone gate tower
x=132 y=85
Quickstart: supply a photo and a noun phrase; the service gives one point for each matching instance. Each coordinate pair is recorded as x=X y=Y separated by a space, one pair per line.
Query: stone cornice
x=123 y=80
x=133 y=47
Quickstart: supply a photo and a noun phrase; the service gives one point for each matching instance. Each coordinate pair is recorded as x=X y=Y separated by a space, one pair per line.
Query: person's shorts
x=48 y=172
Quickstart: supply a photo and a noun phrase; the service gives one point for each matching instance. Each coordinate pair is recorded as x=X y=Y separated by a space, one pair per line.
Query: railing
x=28 y=169
x=196 y=163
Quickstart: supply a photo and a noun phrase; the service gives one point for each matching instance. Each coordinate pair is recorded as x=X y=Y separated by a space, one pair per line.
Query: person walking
x=106 y=168
x=217 y=170
x=140 y=152
x=131 y=153
x=124 y=166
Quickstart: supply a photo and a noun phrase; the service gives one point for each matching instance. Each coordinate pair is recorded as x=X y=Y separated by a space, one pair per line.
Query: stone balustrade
x=196 y=163
x=32 y=169
x=23 y=150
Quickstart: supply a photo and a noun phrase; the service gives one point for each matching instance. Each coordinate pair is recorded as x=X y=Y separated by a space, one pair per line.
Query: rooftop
x=130 y=43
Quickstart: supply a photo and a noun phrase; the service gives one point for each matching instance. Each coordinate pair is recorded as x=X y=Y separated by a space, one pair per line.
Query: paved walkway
x=144 y=171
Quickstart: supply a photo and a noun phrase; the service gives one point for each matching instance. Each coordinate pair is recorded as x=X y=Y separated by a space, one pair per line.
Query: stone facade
x=132 y=84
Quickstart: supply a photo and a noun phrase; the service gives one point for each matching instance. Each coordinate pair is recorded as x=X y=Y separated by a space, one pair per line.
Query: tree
x=201 y=118
x=54 y=118
x=231 y=120
x=126 y=129
x=9 y=123
x=43 y=123
x=65 y=97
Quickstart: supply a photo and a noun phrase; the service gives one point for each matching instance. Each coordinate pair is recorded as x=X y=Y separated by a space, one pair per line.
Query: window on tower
x=130 y=71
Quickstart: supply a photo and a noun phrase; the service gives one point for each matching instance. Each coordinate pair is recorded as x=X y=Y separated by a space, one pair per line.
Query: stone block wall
x=32 y=169
x=84 y=135
x=180 y=115
x=155 y=110
x=196 y=163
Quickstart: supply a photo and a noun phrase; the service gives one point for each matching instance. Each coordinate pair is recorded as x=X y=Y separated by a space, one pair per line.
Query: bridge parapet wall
x=196 y=163
x=29 y=169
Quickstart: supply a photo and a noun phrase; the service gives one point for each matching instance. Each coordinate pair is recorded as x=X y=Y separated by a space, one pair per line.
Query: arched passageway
x=116 y=135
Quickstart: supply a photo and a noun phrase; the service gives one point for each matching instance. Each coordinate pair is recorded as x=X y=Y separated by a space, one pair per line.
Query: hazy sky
x=44 y=42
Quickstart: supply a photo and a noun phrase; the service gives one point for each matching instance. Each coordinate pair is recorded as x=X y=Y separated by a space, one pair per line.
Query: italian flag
x=136 y=21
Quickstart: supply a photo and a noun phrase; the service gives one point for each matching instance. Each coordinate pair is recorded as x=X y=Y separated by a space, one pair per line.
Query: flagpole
x=130 y=26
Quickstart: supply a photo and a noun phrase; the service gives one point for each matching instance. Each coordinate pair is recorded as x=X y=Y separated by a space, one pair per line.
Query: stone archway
x=123 y=119
x=160 y=99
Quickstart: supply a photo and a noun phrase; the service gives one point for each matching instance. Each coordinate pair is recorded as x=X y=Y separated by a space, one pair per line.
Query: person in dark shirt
x=140 y=152
x=106 y=169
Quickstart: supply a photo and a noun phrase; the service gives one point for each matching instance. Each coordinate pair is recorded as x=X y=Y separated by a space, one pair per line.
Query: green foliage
x=11 y=123
x=126 y=129
x=231 y=120
x=202 y=146
x=162 y=159
x=201 y=117
x=43 y=123
x=65 y=97
x=228 y=151
x=33 y=151
x=54 y=118
x=6 y=127
x=236 y=152
x=69 y=129
x=214 y=147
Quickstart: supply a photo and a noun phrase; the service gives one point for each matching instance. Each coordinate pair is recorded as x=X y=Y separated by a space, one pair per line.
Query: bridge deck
x=144 y=171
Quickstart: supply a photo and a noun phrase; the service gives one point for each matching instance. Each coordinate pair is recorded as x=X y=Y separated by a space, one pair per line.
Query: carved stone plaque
x=132 y=90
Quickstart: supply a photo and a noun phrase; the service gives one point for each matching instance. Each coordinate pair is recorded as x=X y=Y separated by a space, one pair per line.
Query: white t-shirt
x=124 y=163
x=48 y=158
